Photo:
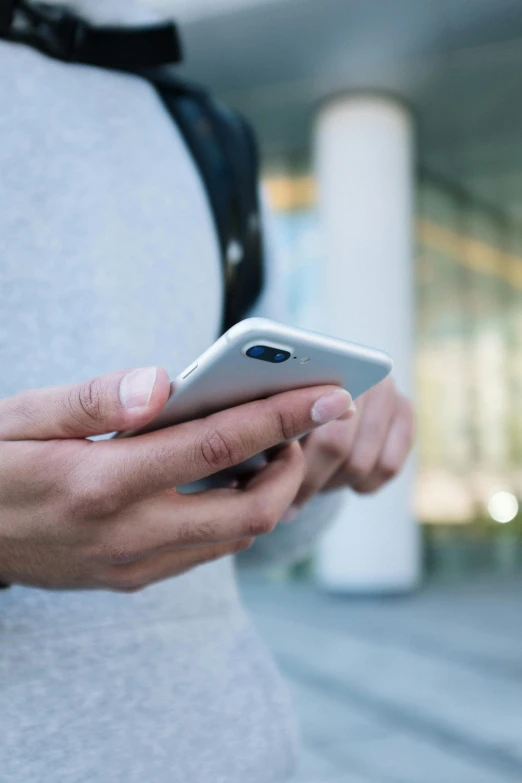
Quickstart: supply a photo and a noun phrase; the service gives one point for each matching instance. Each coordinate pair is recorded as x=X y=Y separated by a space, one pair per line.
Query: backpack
x=221 y=141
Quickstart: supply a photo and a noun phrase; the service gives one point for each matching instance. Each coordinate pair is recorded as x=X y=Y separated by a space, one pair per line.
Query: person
x=110 y=259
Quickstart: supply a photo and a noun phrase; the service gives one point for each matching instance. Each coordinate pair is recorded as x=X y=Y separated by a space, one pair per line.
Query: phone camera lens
x=267 y=353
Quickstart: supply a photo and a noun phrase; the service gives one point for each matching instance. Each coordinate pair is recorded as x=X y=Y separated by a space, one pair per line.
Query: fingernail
x=332 y=406
x=137 y=386
x=290 y=515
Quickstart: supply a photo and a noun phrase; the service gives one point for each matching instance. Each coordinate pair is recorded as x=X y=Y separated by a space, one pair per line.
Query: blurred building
x=391 y=133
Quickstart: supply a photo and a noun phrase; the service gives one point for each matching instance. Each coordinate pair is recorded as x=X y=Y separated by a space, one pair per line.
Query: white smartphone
x=257 y=358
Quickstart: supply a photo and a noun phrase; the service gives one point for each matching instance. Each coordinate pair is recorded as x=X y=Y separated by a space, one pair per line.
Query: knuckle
x=219 y=449
x=262 y=518
x=359 y=468
x=388 y=469
x=188 y=534
x=92 y=499
x=85 y=402
x=289 y=425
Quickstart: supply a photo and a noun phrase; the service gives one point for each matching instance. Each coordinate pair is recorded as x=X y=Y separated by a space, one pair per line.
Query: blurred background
x=391 y=138
x=426 y=95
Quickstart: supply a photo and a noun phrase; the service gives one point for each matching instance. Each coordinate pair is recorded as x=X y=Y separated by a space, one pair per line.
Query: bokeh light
x=503 y=507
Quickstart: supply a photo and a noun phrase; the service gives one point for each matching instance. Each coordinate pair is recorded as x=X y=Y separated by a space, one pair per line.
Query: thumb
x=119 y=401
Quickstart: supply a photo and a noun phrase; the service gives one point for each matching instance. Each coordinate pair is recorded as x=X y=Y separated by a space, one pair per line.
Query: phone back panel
x=225 y=376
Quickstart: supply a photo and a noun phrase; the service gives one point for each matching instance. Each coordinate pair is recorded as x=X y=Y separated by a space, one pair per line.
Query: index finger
x=171 y=521
x=138 y=467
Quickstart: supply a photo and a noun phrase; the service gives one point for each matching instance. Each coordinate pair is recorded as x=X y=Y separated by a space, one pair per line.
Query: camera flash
x=304 y=359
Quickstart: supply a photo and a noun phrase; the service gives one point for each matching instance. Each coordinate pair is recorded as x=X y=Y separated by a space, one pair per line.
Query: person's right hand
x=81 y=514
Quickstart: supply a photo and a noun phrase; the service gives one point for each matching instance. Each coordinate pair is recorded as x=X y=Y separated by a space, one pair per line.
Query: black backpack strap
x=221 y=142
x=224 y=149
x=57 y=32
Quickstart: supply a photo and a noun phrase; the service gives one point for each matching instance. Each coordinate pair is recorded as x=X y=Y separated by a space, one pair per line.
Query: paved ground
x=426 y=689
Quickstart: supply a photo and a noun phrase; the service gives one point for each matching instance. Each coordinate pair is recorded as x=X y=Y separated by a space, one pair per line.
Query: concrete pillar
x=364 y=156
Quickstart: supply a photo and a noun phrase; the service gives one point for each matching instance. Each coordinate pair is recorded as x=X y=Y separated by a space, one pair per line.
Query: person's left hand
x=364 y=451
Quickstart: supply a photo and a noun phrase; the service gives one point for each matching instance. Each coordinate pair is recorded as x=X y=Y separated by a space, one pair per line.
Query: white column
x=364 y=156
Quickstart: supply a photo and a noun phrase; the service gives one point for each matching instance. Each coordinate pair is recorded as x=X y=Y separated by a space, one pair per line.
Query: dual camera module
x=266 y=354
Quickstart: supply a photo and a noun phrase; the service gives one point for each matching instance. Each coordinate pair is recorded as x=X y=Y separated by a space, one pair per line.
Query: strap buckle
x=52 y=29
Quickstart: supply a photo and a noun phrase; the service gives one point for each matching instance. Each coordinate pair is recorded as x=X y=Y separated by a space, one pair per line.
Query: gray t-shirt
x=106 y=237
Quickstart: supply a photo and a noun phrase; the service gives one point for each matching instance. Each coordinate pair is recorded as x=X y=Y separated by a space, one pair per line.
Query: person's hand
x=81 y=514
x=364 y=451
